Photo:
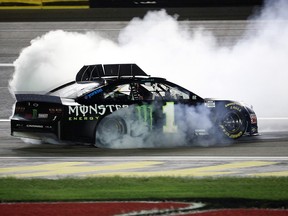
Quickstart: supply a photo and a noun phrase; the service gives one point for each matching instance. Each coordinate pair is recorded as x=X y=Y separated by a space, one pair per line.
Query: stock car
x=108 y=102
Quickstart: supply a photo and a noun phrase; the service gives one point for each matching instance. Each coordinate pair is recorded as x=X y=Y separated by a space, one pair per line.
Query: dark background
x=173 y=3
x=125 y=10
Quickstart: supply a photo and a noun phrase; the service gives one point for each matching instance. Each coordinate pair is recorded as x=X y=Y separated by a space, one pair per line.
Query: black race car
x=117 y=103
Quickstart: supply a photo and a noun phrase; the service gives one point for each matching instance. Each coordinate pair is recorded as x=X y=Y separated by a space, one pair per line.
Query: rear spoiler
x=37 y=98
x=96 y=72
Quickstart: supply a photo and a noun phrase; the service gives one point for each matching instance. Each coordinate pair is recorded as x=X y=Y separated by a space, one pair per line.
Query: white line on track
x=6 y=65
x=160 y=158
x=268 y=118
x=278 y=118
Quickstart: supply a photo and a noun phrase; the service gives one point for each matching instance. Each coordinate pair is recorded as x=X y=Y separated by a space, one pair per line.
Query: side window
x=120 y=92
x=167 y=92
x=141 y=91
x=156 y=91
x=145 y=91
x=179 y=94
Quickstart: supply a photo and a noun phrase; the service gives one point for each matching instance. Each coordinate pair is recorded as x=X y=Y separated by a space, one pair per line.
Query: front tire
x=109 y=131
x=232 y=122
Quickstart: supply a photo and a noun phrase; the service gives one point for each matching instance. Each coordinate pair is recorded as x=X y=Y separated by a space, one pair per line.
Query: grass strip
x=153 y=188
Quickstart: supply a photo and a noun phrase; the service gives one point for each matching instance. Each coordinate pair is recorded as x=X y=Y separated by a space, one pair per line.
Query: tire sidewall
x=235 y=111
x=118 y=120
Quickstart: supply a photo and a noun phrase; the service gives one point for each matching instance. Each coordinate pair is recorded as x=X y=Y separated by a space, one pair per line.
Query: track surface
x=257 y=156
x=268 y=144
x=264 y=155
x=262 y=151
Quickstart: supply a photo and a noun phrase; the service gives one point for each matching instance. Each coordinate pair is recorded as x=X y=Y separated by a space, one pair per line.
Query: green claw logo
x=144 y=113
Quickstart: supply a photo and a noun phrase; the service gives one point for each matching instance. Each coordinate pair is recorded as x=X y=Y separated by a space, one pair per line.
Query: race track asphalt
x=265 y=155
x=268 y=151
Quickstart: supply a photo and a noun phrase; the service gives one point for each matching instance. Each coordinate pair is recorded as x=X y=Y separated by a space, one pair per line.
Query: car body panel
x=72 y=112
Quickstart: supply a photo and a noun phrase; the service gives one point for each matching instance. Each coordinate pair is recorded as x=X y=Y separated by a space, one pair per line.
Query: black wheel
x=233 y=122
x=109 y=131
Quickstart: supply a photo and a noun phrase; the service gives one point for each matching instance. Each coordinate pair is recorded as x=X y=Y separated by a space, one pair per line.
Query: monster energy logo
x=144 y=113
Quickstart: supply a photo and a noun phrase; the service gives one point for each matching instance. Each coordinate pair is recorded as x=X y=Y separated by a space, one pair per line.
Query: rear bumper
x=35 y=129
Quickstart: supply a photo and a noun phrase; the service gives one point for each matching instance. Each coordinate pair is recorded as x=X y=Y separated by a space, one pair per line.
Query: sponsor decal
x=34 y=126
x=210 y=104
x=91 y=112
x=201 y=132
x=43 y=115
x=144 y=113
x=230 y=104
x=234 y=106
x=35 y=104
x=95 y=92
x=85 y=118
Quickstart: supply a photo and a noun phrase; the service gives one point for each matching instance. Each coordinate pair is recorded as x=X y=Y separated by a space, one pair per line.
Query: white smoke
x=252 y=70
x=54 y=58
x=181 y=133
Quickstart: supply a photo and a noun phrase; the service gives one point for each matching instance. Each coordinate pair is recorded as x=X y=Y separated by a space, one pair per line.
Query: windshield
x=75 y=90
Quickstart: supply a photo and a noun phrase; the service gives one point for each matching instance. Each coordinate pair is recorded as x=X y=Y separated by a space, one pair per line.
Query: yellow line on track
x=223 y=169
x=38 y=167
x=71 y=168
x=273 y=174
x=141 y=168
x=43 y=4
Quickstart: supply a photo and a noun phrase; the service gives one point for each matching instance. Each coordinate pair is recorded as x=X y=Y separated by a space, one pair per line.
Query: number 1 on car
x=168 y=110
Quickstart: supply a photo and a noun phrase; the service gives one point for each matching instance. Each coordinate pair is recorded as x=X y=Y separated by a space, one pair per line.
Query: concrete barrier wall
x=44 y=4
x=123 y=10
x=124 y=14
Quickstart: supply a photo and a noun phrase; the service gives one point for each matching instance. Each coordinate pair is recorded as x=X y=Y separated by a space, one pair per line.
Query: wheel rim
x=232 y=122
x=109 y=131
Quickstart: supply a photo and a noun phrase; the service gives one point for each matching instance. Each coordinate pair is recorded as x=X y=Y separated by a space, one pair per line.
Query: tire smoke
x=252 y=70
x=140 y=134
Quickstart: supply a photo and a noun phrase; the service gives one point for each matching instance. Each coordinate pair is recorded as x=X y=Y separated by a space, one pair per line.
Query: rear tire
x=232 y=122
x=109 y=131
